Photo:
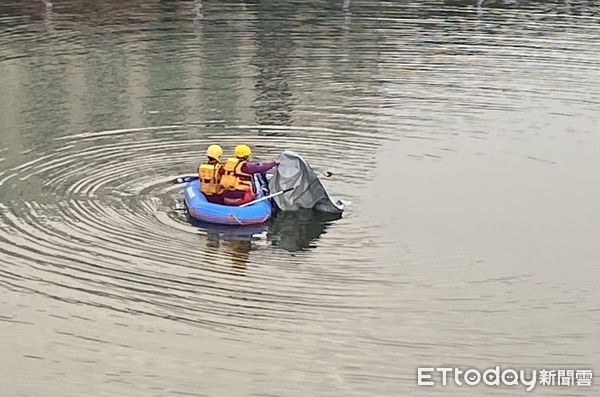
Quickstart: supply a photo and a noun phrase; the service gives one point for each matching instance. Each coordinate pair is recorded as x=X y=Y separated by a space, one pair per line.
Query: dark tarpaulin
x=308 y=191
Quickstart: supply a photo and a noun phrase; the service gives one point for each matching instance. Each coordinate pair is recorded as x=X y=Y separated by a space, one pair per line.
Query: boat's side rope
x=236 y=219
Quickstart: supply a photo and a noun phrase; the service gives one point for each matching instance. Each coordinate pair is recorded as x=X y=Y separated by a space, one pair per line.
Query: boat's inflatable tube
x=200 y=209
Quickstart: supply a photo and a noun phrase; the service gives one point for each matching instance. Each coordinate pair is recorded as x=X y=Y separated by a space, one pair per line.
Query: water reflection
x=290 y=230
x=273 y=60
x=219 y=233
x=234 y=242
x=238 y=250
x=48 y=16
x=347 y=15
x=199 y=11
x=299 y=230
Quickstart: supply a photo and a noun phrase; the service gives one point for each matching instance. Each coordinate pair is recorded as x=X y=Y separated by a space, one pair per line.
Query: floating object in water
x=308 y=191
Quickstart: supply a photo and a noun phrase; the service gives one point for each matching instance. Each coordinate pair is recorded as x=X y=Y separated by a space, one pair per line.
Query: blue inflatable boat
x=202 y=210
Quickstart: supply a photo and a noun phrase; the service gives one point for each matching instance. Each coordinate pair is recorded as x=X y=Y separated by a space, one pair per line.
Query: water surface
x=465 y=138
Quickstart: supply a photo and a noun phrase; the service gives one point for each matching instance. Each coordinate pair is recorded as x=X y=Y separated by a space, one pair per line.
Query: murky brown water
x=466 y=139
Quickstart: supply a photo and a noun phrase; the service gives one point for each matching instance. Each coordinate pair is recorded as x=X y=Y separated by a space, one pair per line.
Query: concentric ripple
x=98 y=217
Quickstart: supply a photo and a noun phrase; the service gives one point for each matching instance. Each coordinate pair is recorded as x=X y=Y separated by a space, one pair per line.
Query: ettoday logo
x=508 y=377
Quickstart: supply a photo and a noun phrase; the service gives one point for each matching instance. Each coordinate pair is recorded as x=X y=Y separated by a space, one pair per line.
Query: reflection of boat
x=288 y=230
x=202 y=210
x=230 y=232
x=235 y=242
x=298 y=230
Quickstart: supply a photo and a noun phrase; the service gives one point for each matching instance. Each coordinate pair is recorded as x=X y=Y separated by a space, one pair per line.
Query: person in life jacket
x=210 y=173
x=237 y=176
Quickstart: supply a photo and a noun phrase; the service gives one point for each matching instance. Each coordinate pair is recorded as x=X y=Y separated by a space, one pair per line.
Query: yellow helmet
x=242 y=151
x=215 y=152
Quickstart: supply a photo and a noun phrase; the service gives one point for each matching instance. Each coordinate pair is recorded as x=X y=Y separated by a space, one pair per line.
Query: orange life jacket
x=234 y=178
x=210 y=178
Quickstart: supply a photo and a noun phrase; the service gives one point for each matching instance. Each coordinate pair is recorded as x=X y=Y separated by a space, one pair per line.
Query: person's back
x=237 y=176
x=210 y=173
